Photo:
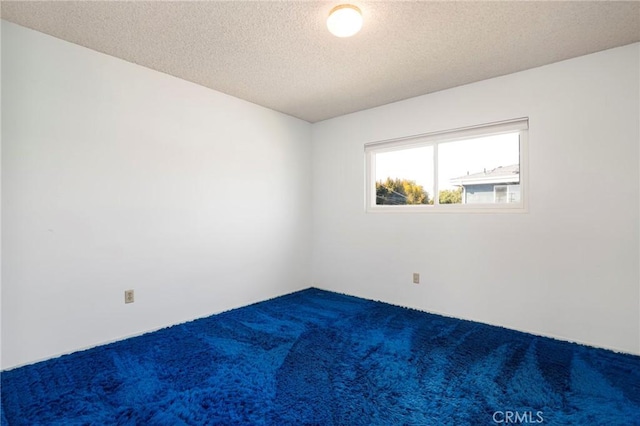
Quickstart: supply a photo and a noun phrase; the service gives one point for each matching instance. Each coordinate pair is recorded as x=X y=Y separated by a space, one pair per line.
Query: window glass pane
x=513 y=194
x=480 y=171
x=500 y=194
x=405 y=176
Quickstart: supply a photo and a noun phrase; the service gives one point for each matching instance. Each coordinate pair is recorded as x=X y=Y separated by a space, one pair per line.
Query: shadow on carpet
x=320 y=358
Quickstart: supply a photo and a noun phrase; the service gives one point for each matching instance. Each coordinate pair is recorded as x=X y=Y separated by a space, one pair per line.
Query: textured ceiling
x=279 y=54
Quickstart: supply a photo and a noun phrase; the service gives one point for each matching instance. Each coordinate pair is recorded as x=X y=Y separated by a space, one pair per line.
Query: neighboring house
x=499 y=185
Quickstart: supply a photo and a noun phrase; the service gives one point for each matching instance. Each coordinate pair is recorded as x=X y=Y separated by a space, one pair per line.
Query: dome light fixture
x=344 y=20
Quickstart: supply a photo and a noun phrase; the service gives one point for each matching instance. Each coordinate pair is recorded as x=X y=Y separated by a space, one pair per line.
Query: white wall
x=568 y=268
x=115 y=176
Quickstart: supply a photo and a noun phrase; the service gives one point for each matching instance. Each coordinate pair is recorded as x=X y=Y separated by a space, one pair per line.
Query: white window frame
x=519 y=125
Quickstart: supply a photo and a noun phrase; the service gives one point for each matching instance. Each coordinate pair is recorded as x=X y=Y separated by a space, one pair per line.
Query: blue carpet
x=320 y=358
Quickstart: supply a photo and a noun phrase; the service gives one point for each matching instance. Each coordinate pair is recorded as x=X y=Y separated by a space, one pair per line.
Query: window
x=479 y=168
x=506 y=193
x=500 y=194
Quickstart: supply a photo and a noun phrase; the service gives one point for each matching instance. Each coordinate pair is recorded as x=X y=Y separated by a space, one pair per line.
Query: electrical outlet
x=416 y=278
x=128 y=296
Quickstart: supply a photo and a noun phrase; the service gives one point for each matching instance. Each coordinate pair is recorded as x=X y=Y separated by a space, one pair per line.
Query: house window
x=479 y=168
x=506 y=193
x=500 y=194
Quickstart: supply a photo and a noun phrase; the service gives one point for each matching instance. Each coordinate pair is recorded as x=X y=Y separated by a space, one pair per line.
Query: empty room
x=320 y=213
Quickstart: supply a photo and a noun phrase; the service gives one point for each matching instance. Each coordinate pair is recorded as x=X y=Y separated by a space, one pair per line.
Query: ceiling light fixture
x=344 y=20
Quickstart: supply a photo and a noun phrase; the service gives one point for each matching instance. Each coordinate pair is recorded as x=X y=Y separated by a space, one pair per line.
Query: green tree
x=450 y=196
x=400 y=191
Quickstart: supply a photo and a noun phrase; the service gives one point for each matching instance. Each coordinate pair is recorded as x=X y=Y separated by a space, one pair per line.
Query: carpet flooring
x=320 y=358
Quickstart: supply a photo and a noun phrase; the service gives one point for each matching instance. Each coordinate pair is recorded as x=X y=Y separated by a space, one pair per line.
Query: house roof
x=502 y=174
x=279 y=54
